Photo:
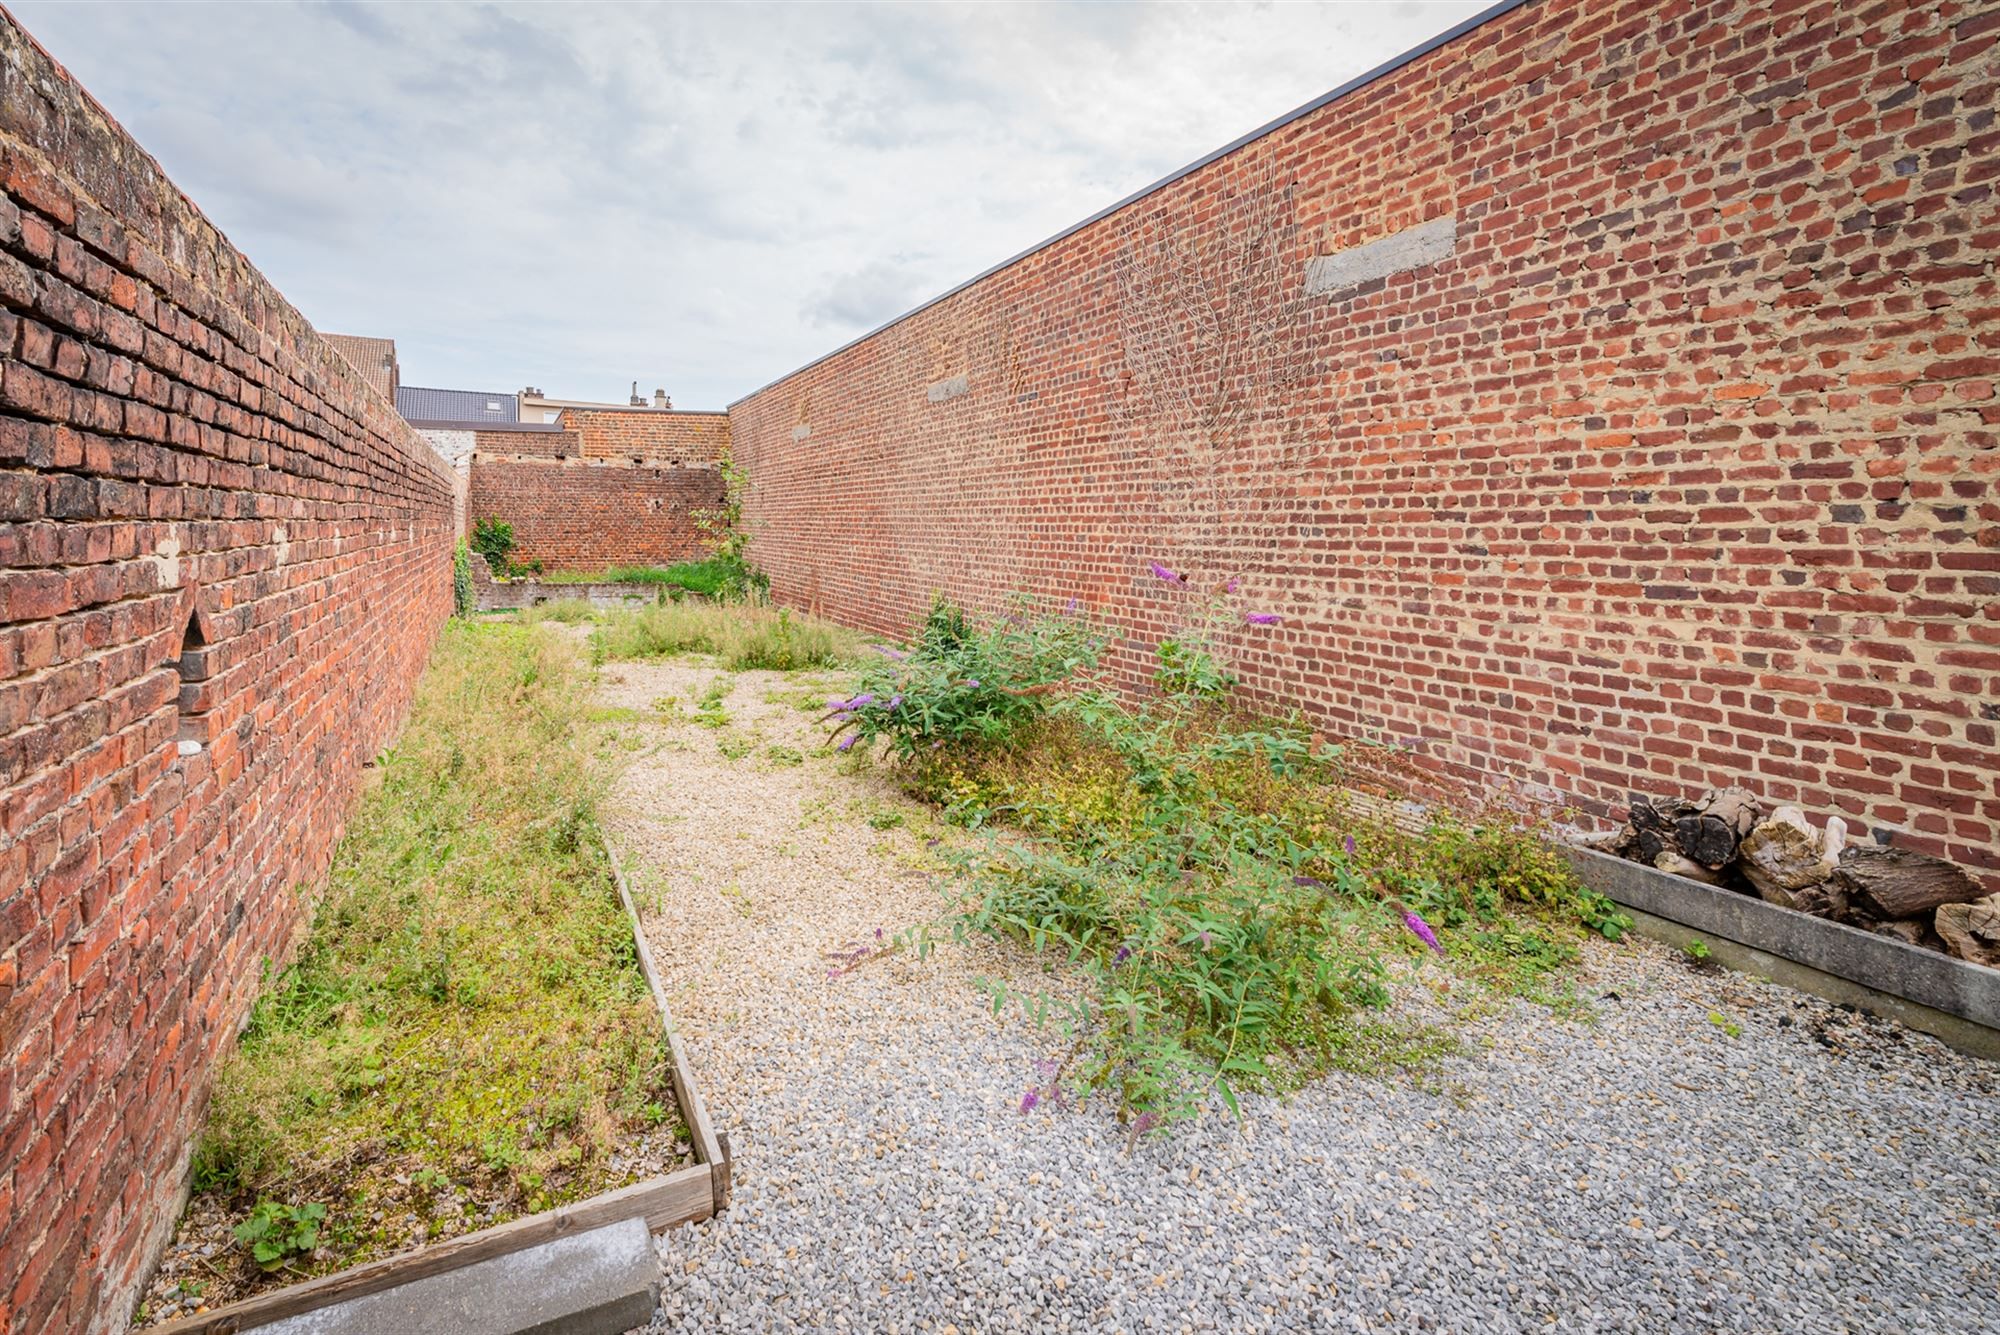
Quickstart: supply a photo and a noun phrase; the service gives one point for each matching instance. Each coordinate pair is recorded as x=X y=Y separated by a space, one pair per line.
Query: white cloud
x=703 y=198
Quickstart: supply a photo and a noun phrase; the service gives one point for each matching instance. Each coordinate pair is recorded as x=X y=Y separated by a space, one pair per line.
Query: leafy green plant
x=493 y=538
x=963 y=685
x=1189 y=668
x=275 y=1232
x=735 y=575
x=1203 y=867
x=463 y=600
x=1697 y=950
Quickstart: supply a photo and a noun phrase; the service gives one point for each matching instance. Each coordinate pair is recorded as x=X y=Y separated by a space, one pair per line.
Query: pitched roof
x=375 y=358
x=418 y=404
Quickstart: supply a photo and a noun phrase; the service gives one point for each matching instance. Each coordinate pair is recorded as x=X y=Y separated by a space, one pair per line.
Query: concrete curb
x=595 y=1283
x=1945 y=997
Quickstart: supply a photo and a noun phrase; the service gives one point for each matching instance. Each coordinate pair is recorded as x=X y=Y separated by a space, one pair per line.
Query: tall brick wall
x=635 y=435
x=1605 y=398
x=573 y=514
x=177 y=449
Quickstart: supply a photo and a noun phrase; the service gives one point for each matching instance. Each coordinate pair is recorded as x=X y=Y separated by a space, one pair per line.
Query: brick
x=107 y=834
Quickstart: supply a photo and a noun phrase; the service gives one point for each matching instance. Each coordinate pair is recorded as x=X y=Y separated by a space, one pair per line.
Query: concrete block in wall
x=1411 y=248
x=948 y=389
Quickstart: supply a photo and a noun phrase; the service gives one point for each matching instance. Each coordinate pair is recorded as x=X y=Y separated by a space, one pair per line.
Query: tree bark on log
x=1900 y=883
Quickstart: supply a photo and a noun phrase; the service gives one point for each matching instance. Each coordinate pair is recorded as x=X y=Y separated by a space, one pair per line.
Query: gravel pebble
x=1637 y=1170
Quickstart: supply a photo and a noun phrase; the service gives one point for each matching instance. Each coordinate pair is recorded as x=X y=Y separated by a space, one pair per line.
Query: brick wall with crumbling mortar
x=649 y=435
x=1677 y=468
x=577 y=514
x=176 y=445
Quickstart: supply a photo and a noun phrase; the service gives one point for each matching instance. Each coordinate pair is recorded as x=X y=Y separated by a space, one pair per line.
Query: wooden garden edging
x=687 y=1196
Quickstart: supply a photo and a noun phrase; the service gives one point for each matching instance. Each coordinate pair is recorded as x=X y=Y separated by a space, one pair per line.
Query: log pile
x=1727 y=839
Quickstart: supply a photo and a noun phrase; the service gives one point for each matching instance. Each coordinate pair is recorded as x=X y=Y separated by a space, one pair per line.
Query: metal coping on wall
x=1360 y=81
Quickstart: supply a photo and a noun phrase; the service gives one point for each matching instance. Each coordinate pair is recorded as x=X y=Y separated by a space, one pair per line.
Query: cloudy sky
x=701 y=198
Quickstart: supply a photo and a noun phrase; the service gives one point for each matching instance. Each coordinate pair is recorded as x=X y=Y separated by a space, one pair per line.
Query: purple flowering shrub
x=1194 y=660
x=1201 y=866
x=963 y=685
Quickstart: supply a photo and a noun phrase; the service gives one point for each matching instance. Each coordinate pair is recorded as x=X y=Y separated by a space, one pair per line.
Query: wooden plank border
x=709 y=1148
x=687 y=1196
x=678 y=1198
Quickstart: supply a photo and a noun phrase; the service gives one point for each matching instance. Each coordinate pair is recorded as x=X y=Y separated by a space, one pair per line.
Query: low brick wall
x=573 y=514
x=223 y=559
x=673 y=437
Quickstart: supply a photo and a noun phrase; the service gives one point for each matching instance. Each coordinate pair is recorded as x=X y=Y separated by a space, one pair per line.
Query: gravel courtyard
x=1639 y=1170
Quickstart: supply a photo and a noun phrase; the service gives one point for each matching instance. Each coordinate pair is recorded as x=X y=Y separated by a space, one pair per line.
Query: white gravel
x=1641 y=1170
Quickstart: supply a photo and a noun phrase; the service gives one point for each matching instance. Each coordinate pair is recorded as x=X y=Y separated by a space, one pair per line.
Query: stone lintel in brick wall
x=1399 y=252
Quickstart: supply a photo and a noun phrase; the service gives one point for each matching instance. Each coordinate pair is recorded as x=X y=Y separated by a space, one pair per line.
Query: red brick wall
x=175 y=441
x=1680 y=470
x=650 y=434
x=529 y=444
x=576 y=515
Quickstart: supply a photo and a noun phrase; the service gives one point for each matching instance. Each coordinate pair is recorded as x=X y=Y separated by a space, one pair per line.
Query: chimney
x=637 y=402
x=660 y=399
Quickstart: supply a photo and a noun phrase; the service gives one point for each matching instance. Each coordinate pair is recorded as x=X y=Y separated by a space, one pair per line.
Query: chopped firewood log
x=1706 y=830
x=1901 y=883
x=1784 y=855
x=1972 y=931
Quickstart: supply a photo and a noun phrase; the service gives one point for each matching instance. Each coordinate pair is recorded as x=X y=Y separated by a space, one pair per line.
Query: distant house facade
x=535 y=406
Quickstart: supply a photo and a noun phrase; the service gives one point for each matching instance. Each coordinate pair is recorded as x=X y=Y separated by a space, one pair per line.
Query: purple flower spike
x=1170 y=576
x=1206 y=940
x=1069 y=608
x=847 y=742
x=887 y=652
x=1311 y=881
x=974 y=681
x=860 y=700
x=1146 y=1122
x=1422 y=929
x=1030 y=1099
x=1120 y=955
x=895 y=700
x=1230 y=587
x=1263 y=619
x=1348 y=844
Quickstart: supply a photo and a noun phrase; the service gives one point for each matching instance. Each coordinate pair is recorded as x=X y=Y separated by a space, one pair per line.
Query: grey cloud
x=865 y=298
x=577 y=195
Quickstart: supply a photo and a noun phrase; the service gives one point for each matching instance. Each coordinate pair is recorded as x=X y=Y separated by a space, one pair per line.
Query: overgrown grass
x=743 y=636
x=712 y=577
x=466 y=1011
x=1207 y=869
x=568 y=611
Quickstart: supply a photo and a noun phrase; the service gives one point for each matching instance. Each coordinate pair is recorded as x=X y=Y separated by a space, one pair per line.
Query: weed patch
x=1237 y=921
x=743 y=637
x=465 y=1035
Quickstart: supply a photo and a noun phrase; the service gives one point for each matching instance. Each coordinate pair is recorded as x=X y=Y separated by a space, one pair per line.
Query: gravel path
x=1642 y=1171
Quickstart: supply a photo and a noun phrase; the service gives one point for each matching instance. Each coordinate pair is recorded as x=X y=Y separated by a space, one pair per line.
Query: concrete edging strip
x=597 y=1283
x=1871 y=963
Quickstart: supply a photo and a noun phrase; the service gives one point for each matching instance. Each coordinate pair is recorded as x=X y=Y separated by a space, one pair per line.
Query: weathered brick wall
x=529 y=444
x=176 y=446
x=575 y=514
x=650 y=434
x=1671 y=462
